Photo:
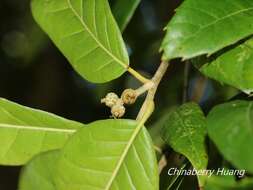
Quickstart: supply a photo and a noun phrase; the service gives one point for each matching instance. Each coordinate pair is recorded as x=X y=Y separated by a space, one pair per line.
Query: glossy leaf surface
x=204 y=27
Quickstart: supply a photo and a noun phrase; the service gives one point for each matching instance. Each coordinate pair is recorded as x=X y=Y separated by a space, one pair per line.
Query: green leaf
x=184 y=130
x=87 y=34
x=176 y=180
x=108 y=155
x=234 y=67
x=123 y=11
x=38 y=173
x=230 y=127
x=204 y=27
x=228 y=183
x=25 y=132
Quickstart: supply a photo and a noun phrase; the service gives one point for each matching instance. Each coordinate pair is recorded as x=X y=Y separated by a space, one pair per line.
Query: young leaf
x=204 y=27
x=38 y=173
x=234 y=67
x=25 y=132
x=108 y=155
x=87 y=34
x=123 y=11
x=230 y=127
x=185 y=130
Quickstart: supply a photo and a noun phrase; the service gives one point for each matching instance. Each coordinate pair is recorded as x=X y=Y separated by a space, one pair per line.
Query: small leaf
x=234 y=67
x=38 y=173
x=123 y=11
x=108 y=155
x=230 y=127
x=25 y=132
x=185 y=130
x=87 y=34
x=228 y=183
x=204 y=27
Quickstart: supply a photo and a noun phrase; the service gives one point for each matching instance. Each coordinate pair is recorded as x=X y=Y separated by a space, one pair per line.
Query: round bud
x=129 y=96
x=110 y=99
x=118 y=110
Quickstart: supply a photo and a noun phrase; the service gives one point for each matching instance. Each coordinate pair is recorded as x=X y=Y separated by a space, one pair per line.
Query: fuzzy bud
x=118 y=110
x=129 y=96
x=110 y=100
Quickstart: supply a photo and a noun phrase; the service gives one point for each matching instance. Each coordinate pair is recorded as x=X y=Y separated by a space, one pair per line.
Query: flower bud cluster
x=116 y=104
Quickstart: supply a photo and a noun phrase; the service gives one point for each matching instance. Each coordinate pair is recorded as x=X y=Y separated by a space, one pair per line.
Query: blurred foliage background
x=34 y=73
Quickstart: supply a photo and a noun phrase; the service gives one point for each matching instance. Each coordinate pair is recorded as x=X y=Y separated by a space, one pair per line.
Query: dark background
x=34 y=73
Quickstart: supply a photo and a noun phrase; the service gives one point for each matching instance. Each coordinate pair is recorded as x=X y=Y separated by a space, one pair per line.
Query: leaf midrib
x=124 y=65
x=35 y=128
x=123 y=156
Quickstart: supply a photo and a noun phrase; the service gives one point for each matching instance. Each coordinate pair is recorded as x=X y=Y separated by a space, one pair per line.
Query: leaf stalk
x=138 y=76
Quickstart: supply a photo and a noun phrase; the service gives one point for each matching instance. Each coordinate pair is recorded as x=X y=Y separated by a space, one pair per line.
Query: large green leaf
x=38 y=173
x=108 y=155
x=123 y=11
x=185 y=130
x=206 y=26
x=234 y=67
x=228 y=183
x=25 y=132
x=87 y=34
x=230 y=126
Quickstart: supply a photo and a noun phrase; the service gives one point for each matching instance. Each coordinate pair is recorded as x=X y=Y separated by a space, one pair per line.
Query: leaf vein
x=124 y=65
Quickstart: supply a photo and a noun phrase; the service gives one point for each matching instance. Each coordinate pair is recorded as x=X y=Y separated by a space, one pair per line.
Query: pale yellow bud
x=129 y=96
x=118 y=110
x=110 y=99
